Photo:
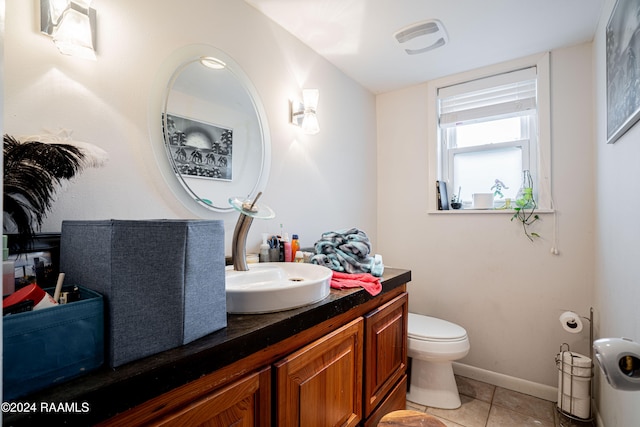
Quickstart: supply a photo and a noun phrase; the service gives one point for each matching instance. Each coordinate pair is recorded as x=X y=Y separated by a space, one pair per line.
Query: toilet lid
x=434 y=329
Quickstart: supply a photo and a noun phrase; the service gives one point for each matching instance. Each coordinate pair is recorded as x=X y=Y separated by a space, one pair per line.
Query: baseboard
x=512 y=383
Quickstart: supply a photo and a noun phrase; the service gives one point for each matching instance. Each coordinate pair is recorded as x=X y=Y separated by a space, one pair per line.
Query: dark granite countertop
x=109 y=391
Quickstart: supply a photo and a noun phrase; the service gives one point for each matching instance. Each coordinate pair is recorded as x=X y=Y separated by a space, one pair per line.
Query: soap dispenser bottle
x=264 y=249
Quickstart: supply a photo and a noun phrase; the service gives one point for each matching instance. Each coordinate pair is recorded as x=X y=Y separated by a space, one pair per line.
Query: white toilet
x=432 y=345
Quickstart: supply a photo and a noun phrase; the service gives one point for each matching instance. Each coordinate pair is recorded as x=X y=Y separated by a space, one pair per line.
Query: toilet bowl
x=432 y=345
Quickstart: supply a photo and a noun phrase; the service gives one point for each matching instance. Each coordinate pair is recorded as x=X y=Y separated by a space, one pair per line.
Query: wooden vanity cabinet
x=321 y=384
x=348 y=370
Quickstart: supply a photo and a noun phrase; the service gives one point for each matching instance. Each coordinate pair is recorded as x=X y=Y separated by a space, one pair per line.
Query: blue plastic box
x=52 y=345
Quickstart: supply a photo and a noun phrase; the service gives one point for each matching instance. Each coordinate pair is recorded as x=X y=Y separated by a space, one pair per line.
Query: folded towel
x=343 y=280
x=345 y=251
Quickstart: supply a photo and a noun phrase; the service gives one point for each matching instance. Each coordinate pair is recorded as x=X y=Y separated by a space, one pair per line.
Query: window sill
x=484 y=211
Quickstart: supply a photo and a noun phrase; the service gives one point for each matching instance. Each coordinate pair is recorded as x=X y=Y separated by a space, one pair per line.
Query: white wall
x=317 y=183
x=479 y=270
x=617 y=280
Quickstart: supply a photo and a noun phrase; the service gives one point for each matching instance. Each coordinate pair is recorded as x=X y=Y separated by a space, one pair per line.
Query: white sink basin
x=276 y=286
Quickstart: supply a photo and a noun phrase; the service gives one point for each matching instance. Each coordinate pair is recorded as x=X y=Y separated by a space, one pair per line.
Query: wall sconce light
x=303 y=114
x=71 y=24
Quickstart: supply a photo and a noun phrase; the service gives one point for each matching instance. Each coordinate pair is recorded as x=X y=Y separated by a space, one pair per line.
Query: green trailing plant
x=33 y=172
x=525 y=207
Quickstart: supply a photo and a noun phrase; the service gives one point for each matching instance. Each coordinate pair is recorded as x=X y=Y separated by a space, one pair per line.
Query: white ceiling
x=357 y=35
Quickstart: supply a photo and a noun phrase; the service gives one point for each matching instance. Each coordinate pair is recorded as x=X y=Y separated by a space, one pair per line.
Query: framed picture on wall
x=200 y=150
x=623 y=68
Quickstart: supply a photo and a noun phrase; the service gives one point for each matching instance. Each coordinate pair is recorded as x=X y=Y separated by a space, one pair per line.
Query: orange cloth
x=365 y=280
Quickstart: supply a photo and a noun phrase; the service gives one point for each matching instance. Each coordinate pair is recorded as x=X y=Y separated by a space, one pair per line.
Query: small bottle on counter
x=8 y=269
x=299 y=257
x=287 y=248
x=264 y=249
x=8 y=277
x=295 y=246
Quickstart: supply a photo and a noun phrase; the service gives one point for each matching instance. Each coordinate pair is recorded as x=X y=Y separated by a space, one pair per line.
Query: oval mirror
x=213 y=131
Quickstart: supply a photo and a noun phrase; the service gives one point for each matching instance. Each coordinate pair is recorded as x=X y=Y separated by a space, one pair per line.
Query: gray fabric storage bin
x=163 y=281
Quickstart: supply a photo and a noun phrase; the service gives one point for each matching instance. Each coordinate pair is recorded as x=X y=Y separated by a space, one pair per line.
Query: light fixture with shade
x=71 y=24
x=303 y=113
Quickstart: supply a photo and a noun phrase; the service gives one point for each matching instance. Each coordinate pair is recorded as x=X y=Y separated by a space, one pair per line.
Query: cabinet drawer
x=245 y=402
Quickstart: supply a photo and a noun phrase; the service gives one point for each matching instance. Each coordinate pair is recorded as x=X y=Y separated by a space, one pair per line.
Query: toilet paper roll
x=580 y=408
x=571 y=322
x=577 y=387
x=574 y=363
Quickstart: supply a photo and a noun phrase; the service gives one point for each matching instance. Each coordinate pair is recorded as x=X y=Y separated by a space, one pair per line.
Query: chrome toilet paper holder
x=571 y=374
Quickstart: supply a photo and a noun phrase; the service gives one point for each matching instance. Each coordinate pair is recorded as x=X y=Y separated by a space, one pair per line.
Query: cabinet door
x=321 y=384
x=385 y=350
x=243 y=403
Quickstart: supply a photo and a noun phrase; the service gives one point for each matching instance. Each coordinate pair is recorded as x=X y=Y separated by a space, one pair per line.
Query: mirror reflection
x=213 y=131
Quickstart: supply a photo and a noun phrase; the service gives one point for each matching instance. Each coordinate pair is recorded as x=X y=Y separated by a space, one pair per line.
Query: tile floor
x=486 y=405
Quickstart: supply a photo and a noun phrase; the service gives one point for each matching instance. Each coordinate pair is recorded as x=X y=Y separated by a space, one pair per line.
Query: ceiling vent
x=422 y=37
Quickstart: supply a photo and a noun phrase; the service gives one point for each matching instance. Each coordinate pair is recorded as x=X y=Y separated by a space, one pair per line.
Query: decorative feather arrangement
x=34 y=170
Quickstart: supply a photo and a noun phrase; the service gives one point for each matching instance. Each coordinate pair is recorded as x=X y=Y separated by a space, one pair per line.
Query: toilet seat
x=427 y=328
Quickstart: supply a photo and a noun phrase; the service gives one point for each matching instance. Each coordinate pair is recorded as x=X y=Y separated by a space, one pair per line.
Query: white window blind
x=505 y=95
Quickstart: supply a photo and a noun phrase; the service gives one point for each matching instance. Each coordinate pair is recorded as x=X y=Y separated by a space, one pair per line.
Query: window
x=492 y=127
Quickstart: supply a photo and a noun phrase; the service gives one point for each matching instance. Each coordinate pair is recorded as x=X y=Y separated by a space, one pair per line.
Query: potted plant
x=456 y=203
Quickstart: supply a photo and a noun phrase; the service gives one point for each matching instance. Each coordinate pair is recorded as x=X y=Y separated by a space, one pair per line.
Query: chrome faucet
x=248 y=210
